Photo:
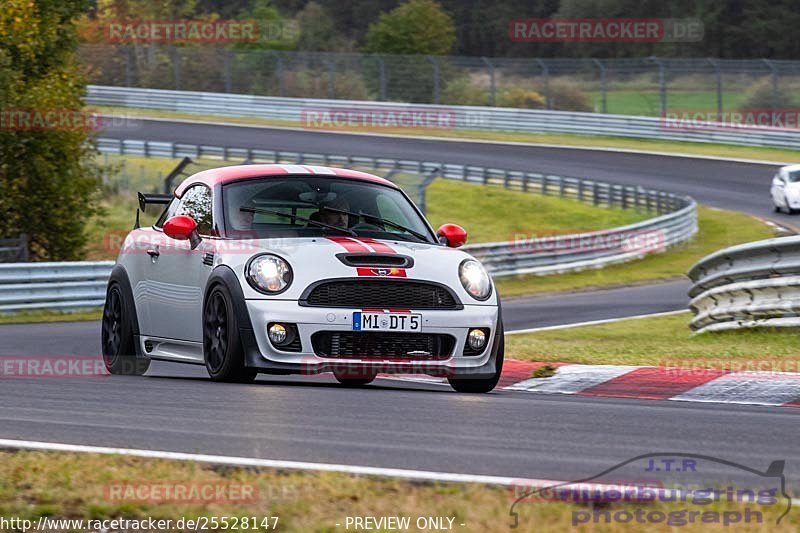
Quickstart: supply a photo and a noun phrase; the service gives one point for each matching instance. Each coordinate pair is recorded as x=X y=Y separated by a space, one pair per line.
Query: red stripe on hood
x=351 y=245
x=378 y=246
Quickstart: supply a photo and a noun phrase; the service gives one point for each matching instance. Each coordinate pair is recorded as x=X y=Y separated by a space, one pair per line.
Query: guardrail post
x=436 y=88
x=525 y=181
x=561 y=187
x=595 y=194
x=580 y=190
x=603 y=87
x=544 y=185
x=546 y=74
x=490 y=68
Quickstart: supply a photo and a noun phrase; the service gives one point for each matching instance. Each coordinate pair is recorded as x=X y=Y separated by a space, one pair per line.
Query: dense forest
x=732 y=28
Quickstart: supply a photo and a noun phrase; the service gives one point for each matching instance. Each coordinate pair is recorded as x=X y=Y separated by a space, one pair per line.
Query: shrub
x=521 y=98
x=761 y=93
x=461 y=91
x=567 y=96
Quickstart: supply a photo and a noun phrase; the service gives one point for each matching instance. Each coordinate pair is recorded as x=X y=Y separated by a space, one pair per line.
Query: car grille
x=384 y=345
x=381 y=294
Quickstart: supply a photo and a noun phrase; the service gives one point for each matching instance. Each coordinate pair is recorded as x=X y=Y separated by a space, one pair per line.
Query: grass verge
x=660 y=341
x=60 y=485
x=717 y=229
x=40 y=317
x=584 y=141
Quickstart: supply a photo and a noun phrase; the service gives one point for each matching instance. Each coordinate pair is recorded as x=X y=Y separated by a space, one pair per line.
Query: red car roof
x=223 y=175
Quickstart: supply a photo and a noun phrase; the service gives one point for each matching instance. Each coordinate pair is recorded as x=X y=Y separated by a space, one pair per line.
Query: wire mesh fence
x=641 y=86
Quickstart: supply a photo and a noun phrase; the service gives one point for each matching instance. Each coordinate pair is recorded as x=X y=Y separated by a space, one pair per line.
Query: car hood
x=320 y=258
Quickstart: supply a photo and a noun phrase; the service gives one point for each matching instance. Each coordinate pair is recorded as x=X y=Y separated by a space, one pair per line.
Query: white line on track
x=421 y=475
x=595 y=322
x=459 y=139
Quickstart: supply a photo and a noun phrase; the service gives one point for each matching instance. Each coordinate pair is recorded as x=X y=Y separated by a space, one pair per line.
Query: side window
x=196 y=203
x=390 y=211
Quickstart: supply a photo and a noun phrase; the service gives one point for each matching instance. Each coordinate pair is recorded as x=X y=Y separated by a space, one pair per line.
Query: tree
x=416 y=27
x=48 y=175
x=316 y=28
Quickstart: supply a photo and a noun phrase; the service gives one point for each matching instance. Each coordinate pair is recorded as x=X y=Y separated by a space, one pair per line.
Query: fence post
x=128 y=66
x=381 y=77
x=176 y=66
x=718 y=74
x=436 y=87
x=228 y=68
x=774 y=78
x=331 y=79
x=23 y=248
x=279 y=72
x=662 y=85
x=603 y=87
x=492 y=90
x=546 y=74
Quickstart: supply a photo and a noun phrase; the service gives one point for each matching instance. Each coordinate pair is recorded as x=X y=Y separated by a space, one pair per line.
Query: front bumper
x=260 y=353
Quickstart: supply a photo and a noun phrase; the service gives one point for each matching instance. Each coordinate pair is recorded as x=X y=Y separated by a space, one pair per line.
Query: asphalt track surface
x=404 y=425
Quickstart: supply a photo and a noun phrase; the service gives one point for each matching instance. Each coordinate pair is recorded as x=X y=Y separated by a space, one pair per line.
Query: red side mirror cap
x=180 y=227
x=452 y=235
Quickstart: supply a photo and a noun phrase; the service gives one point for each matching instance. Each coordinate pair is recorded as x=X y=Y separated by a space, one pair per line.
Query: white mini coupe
x=296 y=269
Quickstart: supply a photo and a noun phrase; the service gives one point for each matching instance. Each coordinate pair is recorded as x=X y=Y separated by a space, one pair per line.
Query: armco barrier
x=292 y=111
x=57 y=286
x=749 y=285
x=69 y=286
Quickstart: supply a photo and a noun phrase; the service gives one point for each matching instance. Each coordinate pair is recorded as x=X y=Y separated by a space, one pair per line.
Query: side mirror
x=452 y=235
x=181 y=228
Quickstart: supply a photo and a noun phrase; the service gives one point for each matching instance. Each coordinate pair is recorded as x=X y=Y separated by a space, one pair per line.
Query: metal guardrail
x=750 y=285
x=70 y=286
x=59 y=286
x=303 y=112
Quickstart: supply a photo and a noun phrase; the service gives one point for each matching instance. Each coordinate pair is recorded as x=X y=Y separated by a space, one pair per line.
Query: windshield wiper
x=297 y=217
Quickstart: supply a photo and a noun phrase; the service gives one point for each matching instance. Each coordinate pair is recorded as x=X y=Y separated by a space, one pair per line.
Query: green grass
x=648 y=103
x=39 y=317
x=660 y=341
x=491 y=213
x=87 y=486
x=687 y=148
x=717 y=229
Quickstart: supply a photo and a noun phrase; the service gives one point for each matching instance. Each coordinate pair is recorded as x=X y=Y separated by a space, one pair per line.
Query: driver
x=327 y=215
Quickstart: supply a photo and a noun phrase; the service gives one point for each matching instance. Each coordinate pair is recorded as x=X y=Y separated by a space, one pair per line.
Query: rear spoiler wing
x=146 y=199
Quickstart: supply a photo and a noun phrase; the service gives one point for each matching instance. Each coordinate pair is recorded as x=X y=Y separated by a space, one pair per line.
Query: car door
x=178 y=274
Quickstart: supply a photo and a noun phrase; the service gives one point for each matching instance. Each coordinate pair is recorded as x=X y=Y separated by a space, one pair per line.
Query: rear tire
x=118 y=338
x=479 y=386
x=222 y=346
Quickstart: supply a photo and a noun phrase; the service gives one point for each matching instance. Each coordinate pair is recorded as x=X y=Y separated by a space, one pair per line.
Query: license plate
x=386 y=322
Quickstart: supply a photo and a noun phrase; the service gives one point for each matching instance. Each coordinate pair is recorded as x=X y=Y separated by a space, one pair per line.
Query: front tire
x=479 y=386
x=118 y=339
x=222 y=346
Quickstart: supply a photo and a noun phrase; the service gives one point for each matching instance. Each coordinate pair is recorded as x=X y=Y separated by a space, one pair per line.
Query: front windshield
x=794 y=177
x=308 y=206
